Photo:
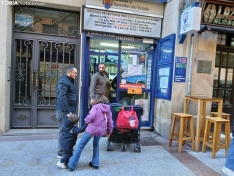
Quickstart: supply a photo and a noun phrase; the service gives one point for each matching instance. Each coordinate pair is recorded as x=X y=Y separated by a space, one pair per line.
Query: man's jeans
x=73 y=162
x=60 y=116
x=230 y=157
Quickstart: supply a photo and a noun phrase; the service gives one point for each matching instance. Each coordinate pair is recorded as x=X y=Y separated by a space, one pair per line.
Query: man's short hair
x=101 y=63
x=70 y=68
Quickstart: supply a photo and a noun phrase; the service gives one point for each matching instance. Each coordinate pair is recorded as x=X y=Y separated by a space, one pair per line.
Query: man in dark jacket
x=70 y=131
x=67 y=99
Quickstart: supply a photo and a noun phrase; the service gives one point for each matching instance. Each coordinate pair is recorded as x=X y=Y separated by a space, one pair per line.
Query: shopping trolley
x=128 y=137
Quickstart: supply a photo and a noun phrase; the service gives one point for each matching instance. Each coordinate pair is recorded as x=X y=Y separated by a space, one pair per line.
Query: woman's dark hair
x=102 y=99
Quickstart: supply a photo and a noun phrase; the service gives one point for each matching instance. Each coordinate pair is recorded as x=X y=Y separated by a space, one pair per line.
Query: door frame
x=85 y=64
x=36 y=38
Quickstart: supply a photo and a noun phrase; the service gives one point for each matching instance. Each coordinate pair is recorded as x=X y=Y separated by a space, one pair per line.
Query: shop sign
x=129 y=6
x=134 y=90
x=180 y=69
x=145 y=105
x=190 y=20
x=114 y=22
x=129 y=85
x=118 y=37
x=218 y=13
x=47 y=21
x=22 y=19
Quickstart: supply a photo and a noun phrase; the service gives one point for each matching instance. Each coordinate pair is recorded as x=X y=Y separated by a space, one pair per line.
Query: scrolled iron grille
x=51 y=74
x=63 y=69
x=55 y=57
x=70 y=48
x=57 y=47
x=42 y=100
x=26 y=101
x=61 y=30
x=21 y=71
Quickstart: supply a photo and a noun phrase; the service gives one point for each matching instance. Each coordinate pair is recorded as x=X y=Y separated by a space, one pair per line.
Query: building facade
x=141 y=38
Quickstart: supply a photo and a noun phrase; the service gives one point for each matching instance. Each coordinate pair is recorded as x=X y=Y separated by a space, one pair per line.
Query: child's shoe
x=61 y=165
x=91 y=165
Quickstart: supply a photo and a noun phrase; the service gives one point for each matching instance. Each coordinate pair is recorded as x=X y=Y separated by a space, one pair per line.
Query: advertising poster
x=145 y=105
x=180 y=69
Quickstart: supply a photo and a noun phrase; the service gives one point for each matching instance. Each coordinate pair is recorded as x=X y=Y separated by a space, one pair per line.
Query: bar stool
x=182 y=137
x=224 y=115
x=214 y=140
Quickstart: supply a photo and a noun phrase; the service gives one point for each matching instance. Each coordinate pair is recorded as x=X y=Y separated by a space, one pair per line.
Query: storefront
x=126 y=42
x=218 y=16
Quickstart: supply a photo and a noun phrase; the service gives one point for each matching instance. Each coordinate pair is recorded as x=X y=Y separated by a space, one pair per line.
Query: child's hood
x=68 y=122
x=105 y=108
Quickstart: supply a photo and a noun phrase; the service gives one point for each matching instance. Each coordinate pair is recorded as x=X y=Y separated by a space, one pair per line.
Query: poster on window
x=180 y=69
x=134 y=69
x=145 y=106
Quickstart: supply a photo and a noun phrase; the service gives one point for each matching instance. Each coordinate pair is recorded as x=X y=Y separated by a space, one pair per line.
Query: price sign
x=134 y=90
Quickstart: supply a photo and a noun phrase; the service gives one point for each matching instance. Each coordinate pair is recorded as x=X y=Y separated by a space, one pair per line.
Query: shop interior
x=128 y=65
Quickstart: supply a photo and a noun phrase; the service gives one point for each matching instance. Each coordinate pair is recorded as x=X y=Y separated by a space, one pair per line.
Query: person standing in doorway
x=114 y=81
x=108 y=85
x=98 y=84
x=67 y=100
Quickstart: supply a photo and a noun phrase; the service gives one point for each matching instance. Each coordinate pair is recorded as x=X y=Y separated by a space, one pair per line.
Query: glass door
x=135 y=73
x=103 y=51
x=129 y=65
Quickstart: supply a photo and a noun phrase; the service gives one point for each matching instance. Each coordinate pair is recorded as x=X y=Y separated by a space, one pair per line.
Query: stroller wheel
x=137 y=147
x=109 y=147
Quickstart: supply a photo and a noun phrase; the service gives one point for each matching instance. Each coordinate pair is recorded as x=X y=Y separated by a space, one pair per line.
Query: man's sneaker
x=61 y=165
x=59 y=156
x=91 y=165
x=227 y=171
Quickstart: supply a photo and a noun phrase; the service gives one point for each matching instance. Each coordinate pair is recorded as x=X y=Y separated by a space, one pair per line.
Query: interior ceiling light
x=131 y=47
x=109 y=44
x=115 y=45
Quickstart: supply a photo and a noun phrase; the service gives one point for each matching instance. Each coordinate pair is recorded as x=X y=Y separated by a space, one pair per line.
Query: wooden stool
x=224 y=115
x=214 y=141
x=182 y=136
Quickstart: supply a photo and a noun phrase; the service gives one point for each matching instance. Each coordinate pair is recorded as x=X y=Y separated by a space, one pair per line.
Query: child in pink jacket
x=100 y=123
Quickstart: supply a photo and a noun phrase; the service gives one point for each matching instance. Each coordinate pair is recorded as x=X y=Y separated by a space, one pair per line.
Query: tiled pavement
x=35 y=154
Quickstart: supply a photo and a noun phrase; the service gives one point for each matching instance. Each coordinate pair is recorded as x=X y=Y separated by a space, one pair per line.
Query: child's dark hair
x=73 y=117
x=102 y=99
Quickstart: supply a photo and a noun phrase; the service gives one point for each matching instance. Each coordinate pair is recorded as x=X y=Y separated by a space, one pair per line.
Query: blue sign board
x=180 y=69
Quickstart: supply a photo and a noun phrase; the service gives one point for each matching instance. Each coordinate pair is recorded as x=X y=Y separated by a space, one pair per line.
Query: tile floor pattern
x=36 y=155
